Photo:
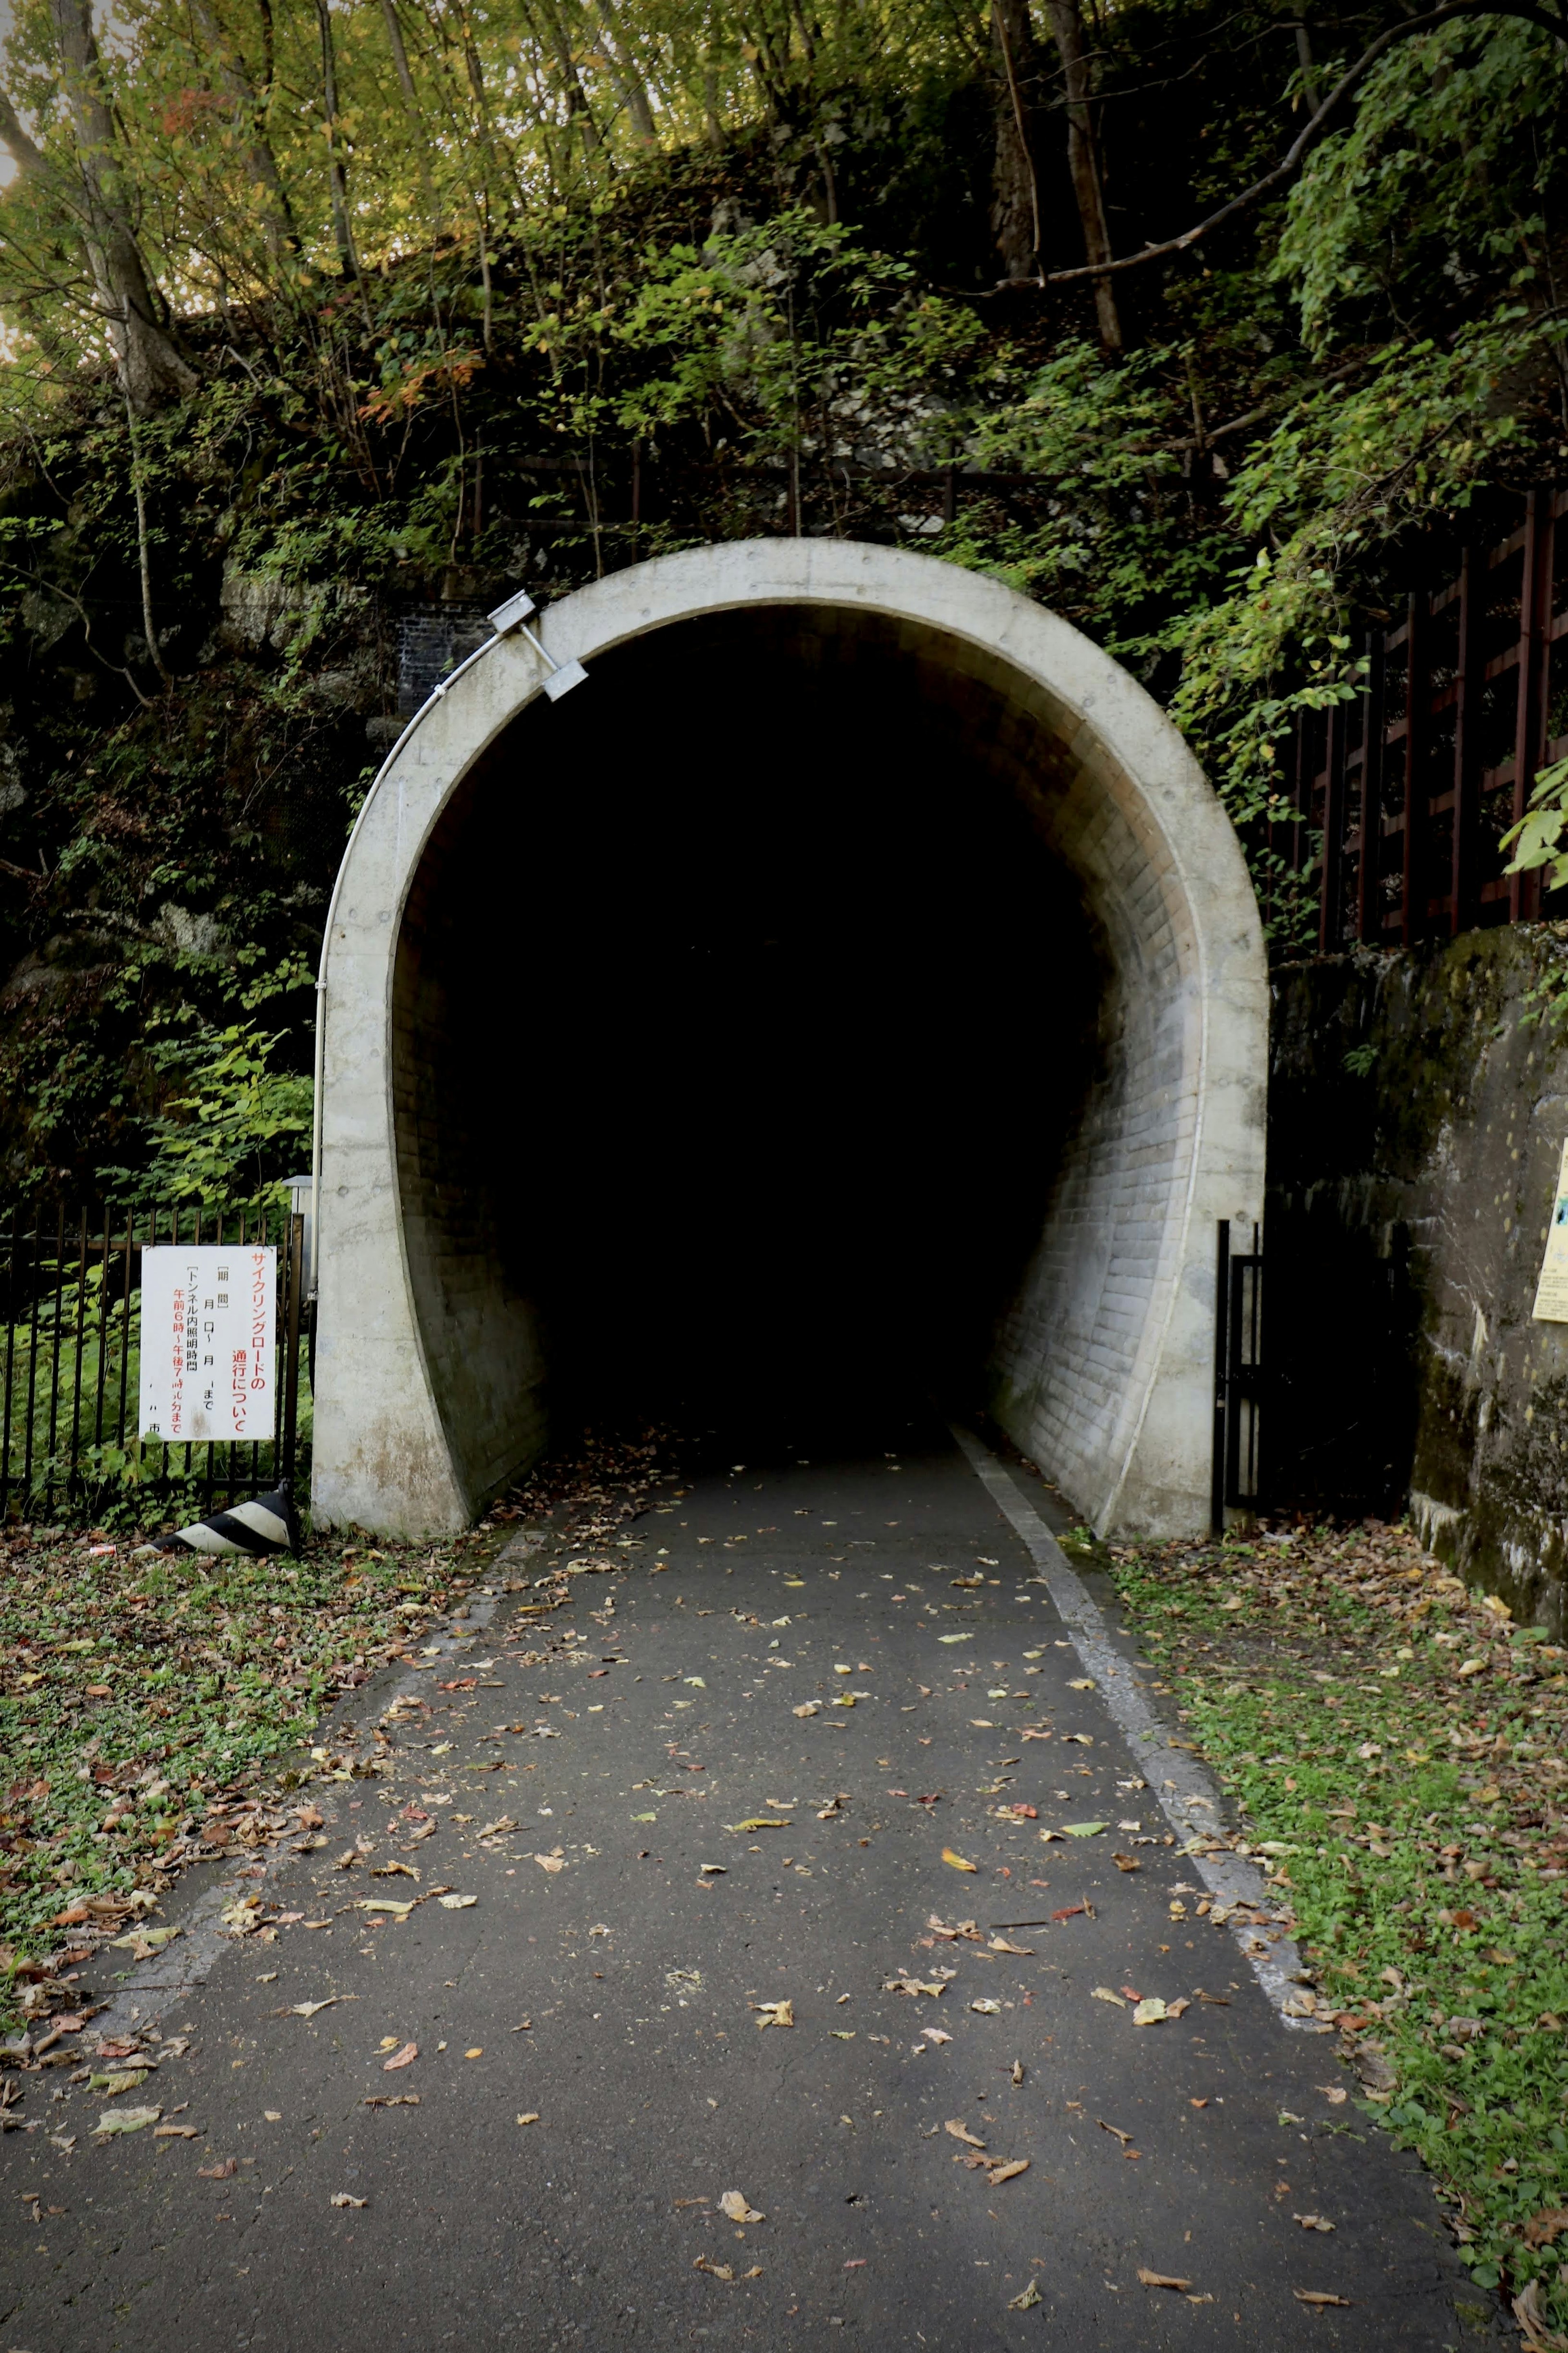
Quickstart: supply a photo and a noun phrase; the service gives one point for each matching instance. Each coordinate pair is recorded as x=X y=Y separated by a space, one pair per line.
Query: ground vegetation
x=1393 y=1746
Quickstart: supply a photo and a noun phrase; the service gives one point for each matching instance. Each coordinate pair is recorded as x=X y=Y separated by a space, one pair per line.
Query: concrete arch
x=429 y=1364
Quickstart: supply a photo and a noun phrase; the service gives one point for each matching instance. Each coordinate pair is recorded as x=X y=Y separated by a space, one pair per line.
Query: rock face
x=1416 y=1123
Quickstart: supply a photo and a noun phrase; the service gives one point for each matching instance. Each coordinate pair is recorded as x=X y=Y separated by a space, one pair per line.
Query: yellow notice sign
x=1552 y=1291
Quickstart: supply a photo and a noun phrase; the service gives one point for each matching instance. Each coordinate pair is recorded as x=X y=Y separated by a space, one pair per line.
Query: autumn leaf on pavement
x=403 y=2058
x=734 y=2204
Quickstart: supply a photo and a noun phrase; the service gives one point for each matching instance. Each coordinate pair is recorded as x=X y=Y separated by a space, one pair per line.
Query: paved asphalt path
x=1185 y=2147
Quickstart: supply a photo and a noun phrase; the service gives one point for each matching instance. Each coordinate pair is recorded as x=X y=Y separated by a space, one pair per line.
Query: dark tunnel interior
x=757 y=1010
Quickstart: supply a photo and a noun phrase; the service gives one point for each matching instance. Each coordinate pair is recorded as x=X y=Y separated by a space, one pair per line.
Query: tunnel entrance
x=852 y=993
x=728 y=1021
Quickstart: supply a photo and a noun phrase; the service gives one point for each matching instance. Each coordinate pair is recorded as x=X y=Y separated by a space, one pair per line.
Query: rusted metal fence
x=1410 y=789
x=70 y=1329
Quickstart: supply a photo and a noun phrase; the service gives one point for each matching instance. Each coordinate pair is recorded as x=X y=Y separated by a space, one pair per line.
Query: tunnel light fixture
x=513 y=615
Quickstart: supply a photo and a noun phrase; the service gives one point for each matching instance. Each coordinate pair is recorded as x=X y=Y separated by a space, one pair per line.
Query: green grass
x=134 y=1691
x=1412 y=1804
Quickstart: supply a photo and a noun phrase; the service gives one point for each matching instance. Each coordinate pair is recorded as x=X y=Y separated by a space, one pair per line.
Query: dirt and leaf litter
x=153 y=1707
x=1393 y=1746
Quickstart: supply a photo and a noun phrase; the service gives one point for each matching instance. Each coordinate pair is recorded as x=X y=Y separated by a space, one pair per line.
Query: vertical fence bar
x=54 y=1358
x=1374 y=720
x=1417 y=721
x=125 y=1329
x=1524 y=890
x=10 y=1363
x=1221 y=1383
x=102 y=1336
x=190 y=1446
x=1330 y=890
x=35 y=1271
x=213 y=1448
x=289 y=1452
x=1463 y=882
x=73 y=1487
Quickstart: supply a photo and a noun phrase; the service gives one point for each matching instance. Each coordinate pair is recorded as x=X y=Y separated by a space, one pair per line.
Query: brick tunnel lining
x=788 y=1023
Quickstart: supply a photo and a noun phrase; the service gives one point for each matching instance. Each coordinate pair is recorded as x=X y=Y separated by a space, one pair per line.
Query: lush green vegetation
x=1394 y=1749
x=310 y=311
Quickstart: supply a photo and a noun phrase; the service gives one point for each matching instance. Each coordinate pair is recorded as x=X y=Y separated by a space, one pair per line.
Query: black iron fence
x=1238 y=1378
x=70 y=1337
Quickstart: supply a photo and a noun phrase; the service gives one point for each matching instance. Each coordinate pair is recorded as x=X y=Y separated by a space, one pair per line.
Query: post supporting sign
x=208 y=1342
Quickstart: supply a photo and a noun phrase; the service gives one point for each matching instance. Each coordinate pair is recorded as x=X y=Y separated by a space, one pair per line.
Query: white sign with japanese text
x=207 y=1342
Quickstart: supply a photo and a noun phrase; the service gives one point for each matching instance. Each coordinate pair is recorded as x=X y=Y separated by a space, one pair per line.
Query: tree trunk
x=627 y=76
x=343 y=234
x=150 y=369
x=1083 y=160
x=1016 y=195
x=282 y=237
x=416 y=117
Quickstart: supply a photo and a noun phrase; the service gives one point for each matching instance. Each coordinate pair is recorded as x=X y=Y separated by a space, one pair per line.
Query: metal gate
x=1238 y=1382
x=71 y=1298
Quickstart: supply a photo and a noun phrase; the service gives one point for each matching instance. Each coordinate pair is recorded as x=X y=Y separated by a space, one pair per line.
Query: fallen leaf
x=455 y=1903
x=1081 y=1683
x=1103 y=1993
x=1126 y=1863
x=175 y=2132
x=1161 y=2279
x=957 y=1861
x=960 y=2131
x=394 y=1871
x=1149 y=2011
x=1008 y=2172
x=1016 y=2071
x=498 y=1829
x=1001 y=1944
x=143 y=1942
x=1115 y=2131
x=776 y=2013
x=550 y=1861
x=810 y=1708
x=1027 y=2300
x=935 y=2034
x=383 y=1904
x=1311 y=2222
x=309 y=2008
x=477 y=2052
x=530 y=2118
x=986 y=2007
x=955 y=1638
x=403 y=2058
x=391 y=2100
x=1316 y=2296
x=733 y=2203
x=1543 y=2227
x=223 y=2170
x=1084 y=1830
x=341 y=2197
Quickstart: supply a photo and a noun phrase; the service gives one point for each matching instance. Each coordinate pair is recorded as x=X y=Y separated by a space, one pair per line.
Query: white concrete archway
x=428 y=1361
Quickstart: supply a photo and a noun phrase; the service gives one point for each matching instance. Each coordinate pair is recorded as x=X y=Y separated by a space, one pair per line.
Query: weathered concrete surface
x=430 y=1360
x=1408 y=1205
x=638 y=1972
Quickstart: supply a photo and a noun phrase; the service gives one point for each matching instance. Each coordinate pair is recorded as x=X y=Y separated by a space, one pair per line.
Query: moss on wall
x=1416 y=1121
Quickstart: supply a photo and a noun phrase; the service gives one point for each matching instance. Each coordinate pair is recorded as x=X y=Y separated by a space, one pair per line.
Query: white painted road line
x=1191 y=1800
